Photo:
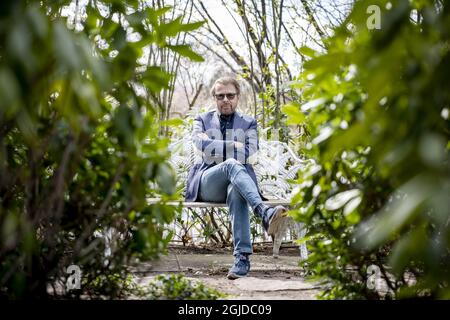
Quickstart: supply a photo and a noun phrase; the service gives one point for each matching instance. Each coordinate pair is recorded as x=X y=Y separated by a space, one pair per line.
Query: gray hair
x=225 y=81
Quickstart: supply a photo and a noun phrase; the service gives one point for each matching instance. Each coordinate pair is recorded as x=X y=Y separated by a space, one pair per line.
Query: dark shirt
x=226 y=123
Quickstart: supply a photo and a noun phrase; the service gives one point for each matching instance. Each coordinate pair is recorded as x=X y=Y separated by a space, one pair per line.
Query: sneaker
x=273 y=217
x=240 y=268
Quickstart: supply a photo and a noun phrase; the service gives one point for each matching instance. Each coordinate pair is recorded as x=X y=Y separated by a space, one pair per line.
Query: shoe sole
x=233 y=276
x=277 y=220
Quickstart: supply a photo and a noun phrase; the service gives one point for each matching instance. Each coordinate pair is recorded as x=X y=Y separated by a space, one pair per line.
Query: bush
x=79 y=144
x=177 y=287
x=377 y=105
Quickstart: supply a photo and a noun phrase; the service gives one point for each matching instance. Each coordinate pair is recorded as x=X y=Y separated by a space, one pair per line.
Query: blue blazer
x=211 y=147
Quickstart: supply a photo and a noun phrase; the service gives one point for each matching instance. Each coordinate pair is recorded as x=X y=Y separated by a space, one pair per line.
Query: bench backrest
x=275 y=164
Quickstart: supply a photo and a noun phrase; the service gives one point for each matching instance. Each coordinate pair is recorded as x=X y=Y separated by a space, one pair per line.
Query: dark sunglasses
x=230 y=96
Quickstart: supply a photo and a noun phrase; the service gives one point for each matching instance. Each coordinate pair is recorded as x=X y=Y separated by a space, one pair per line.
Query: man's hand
x=203 y=136
x=238 y=144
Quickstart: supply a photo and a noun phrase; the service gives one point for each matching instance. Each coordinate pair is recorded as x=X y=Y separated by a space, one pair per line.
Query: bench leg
x=301 y=229
x=277 y=238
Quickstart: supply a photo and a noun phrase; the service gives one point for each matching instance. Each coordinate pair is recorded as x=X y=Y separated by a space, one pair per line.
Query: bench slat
x=273 y=202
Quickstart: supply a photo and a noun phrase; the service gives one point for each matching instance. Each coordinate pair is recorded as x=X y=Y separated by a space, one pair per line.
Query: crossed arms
x=239 y=144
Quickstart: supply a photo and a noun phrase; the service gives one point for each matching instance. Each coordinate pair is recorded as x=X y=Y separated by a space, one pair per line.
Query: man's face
x=226 y=98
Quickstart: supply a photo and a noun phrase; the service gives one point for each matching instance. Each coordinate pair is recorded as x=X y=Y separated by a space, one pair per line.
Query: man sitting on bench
x=227 y=139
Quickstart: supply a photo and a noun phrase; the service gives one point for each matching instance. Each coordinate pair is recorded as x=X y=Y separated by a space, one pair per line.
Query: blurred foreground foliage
x=178 y=287
x=376 y=106
x=79 y=145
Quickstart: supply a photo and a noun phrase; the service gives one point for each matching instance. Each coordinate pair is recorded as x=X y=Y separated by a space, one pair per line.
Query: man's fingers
x=203 y=136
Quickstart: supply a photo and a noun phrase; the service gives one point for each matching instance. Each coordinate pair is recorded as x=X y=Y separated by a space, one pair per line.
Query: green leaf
x=176 y=26
x=154 y=14
x=191 y=26
x=67 y=52
x=186 y=51
x=175 y=122
x=380 y=227
x=411 y=245
x=119 y=38
x=38 y=22
x=307 y=51
x=135 y=18
x=9 y=93
x=166 y=179
x=170 y=29
x=295 y=116
x=155 y=78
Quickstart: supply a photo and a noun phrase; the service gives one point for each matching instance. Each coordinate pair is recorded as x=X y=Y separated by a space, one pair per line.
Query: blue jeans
x=229 y=182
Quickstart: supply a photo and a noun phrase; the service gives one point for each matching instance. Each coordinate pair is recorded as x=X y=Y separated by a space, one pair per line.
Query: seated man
x=226 y=140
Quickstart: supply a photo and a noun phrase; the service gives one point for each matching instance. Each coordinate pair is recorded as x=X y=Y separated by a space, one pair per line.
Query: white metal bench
x=274 y=164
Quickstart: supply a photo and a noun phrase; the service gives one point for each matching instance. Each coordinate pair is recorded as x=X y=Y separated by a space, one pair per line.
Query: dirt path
x=269 y=278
